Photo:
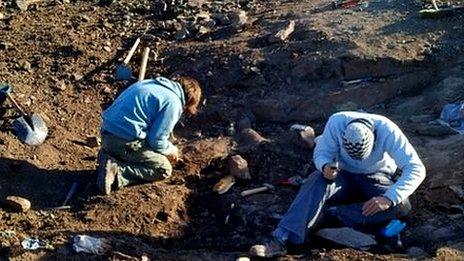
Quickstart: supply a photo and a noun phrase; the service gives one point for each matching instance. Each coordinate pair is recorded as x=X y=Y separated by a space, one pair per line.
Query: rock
x=238 y=167
x=5 y=45
x=85 y=18
x=25 y=65
x=249 y=139
x=347 y=237
x=195 y=3
x=93 y=141
x=2 y=16
x=283 y=34
x=224 y=184
x=182 y=34
x=203 y=30
x=107 y=49
x=18 y=204
x=238 y=19
x=302 y=136
x=429 y=234
x=222 y=19
x=416 y=252
x=24 y=4
x=60 y=85
x=77 y=76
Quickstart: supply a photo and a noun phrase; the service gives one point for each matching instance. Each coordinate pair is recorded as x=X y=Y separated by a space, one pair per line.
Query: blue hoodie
x=391 y=150
x=146 y=110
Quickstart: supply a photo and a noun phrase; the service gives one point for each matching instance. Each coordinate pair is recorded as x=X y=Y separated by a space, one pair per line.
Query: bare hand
x=375 y=205
x=330 y=171
x=175 y=156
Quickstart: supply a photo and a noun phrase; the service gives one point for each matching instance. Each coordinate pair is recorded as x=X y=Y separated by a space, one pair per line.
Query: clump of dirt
x=60 y=57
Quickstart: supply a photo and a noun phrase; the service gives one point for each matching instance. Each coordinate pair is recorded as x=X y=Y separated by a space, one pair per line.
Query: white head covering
x=358 y=139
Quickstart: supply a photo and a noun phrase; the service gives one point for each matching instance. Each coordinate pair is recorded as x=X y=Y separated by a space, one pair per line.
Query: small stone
x=5 y=45
x=2 y=16
x=77 y=76
x=203 y=30
x=18 y=204
x=195 y=3
x=238 y=167
x=182 y=34
x=60 y=85
x=93 y=141
x=25 y=65
x=283 y=34
x=24 y=4
x=107 y=90
x=416 y=252
x=238 y=19
x=85 y=18
x=107 y=48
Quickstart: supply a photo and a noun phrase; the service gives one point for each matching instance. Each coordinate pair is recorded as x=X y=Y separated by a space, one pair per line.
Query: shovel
x=30 y=129
x=123 y=71
x=143 y=65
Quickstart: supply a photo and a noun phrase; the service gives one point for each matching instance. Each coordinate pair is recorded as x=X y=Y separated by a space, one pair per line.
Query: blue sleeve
x=162 y=127
x=327 y=148
x=406 y=158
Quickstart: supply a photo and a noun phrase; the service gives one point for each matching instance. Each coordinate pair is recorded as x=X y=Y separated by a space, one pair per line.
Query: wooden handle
x=253 y=191
x=132 y=51
x=143 y=66
x=16 y=105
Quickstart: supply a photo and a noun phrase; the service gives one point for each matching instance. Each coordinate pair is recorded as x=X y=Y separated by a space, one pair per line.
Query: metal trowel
x=30 y=129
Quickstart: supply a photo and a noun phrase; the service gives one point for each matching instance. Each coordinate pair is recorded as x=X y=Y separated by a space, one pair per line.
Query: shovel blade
x=123 y=73
x=31 y=130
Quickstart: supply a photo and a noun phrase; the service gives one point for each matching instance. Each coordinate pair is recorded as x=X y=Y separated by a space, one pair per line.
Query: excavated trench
x=244 y=76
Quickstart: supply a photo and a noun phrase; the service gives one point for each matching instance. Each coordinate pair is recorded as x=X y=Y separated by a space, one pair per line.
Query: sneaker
x=107 y=172
x=273 y=248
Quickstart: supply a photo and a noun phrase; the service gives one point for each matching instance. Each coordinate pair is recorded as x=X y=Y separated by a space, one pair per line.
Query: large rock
x=238 y=167
x=347 y=237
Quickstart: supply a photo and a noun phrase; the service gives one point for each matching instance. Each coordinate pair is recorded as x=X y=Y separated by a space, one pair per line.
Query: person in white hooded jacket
x=366 y=170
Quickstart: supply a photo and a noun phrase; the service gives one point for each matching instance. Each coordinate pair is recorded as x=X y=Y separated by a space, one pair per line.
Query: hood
x=173 y=86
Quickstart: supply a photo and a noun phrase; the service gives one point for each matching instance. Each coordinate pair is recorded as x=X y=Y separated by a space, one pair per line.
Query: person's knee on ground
x=162 y=168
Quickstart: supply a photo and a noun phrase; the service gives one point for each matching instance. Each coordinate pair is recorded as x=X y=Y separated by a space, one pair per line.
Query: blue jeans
x=347 y=192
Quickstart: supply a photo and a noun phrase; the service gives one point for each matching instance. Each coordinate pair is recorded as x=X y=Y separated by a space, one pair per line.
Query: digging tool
x=265 y=187
x=123 y=71
x=436 y=12
x=143 y=65
x=30 y=129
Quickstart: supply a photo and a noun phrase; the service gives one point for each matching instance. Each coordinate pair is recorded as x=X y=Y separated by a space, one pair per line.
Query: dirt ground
x=60 y=58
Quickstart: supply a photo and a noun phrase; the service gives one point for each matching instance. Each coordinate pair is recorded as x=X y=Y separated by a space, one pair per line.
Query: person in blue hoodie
x=136 y=128
x=366 y=170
